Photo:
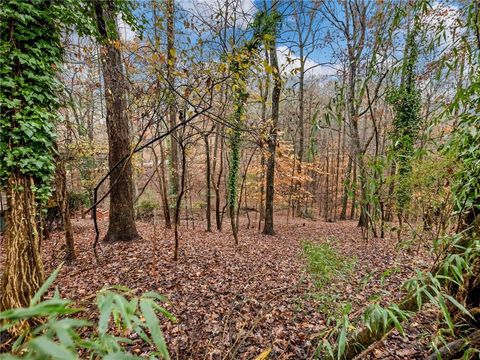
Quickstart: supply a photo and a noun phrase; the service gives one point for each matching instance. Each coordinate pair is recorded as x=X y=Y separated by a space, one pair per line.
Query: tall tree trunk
x=272 y=143
x=161 y=173
x=162 y=180
x=218 y=208
x=337 y=175
x=353 y=188
x=391 y=190
x=172 y=112
x=209 y=185
x=62 y=202
x=262 y=191
x=179 y=202
x=327 y=186
x=234 y=165
x=122 y=221
x=346 y=188
x=23 y=270
x=216 y=182
x=264 y=94
x=301 y=125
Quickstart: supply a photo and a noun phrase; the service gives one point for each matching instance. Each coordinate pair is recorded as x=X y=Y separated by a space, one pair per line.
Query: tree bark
x=301 y=126
x=264 y=93
x=122 y=217
x=353 y=186
x=327 y=185
x=346 y=176
x=456 y=348
x=261 y=216
x=23 y=272
x=209 y=186
x=172 y=113
x=218 y=209
x=162 y=181
x=63 y=205
x=179 y=202
x=272 y=144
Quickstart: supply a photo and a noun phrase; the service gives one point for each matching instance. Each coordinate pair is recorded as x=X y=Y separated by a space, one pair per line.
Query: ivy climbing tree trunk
x=264 y=91
x=268 y=228
x=31 y=53
x=122 y=218
x=406 y=102
x=234 y=165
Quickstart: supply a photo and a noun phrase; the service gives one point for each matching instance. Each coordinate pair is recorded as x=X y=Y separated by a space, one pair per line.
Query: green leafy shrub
x=146 y=207
x=324 y=263
x=60 y=335
x=77 y=199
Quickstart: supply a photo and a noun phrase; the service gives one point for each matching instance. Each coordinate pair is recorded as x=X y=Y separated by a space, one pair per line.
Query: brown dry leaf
x=238 y=301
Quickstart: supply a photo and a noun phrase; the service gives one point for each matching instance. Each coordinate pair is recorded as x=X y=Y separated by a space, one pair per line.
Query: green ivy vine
x=30 y=54
x=265 y=27
x=406 y=104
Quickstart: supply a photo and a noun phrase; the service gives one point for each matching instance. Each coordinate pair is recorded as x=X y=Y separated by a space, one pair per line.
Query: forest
x=240 y=179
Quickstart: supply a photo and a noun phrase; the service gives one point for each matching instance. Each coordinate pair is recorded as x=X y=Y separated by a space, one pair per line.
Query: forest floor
x=235 y=302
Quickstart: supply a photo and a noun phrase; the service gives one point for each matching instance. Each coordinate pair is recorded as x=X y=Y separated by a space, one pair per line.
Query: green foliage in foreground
x=324 y=263
x=63 y=336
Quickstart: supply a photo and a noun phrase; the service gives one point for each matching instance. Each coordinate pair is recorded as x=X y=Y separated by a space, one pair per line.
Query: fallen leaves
x=253 y=301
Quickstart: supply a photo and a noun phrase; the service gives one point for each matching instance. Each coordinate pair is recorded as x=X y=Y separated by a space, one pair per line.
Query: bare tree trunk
x=179 y=201
x=262 y=191
x=62 y=202
x=391 y=197
x=301 y=120
x=243 y=190
x=353 y=187
x=216 y=182
x=172 y=112
x=327 y=186
x=162 y=180
x=337 y=175
x=208 y=183
x=346 y=188
x=122 y=218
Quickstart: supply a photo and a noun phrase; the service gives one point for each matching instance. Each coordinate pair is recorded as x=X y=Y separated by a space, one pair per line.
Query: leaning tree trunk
x=122 y=218
x=23 y=271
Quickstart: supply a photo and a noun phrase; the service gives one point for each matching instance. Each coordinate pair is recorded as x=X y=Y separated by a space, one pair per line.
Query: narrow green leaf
x=154 y=327
x=51 y=349
x=38 y=295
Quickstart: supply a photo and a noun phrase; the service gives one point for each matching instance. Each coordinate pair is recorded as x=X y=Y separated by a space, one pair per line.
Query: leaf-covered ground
x=235 y=302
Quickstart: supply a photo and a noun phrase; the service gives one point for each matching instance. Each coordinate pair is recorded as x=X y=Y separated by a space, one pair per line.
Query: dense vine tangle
x=406 y=103
x=265 y=26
